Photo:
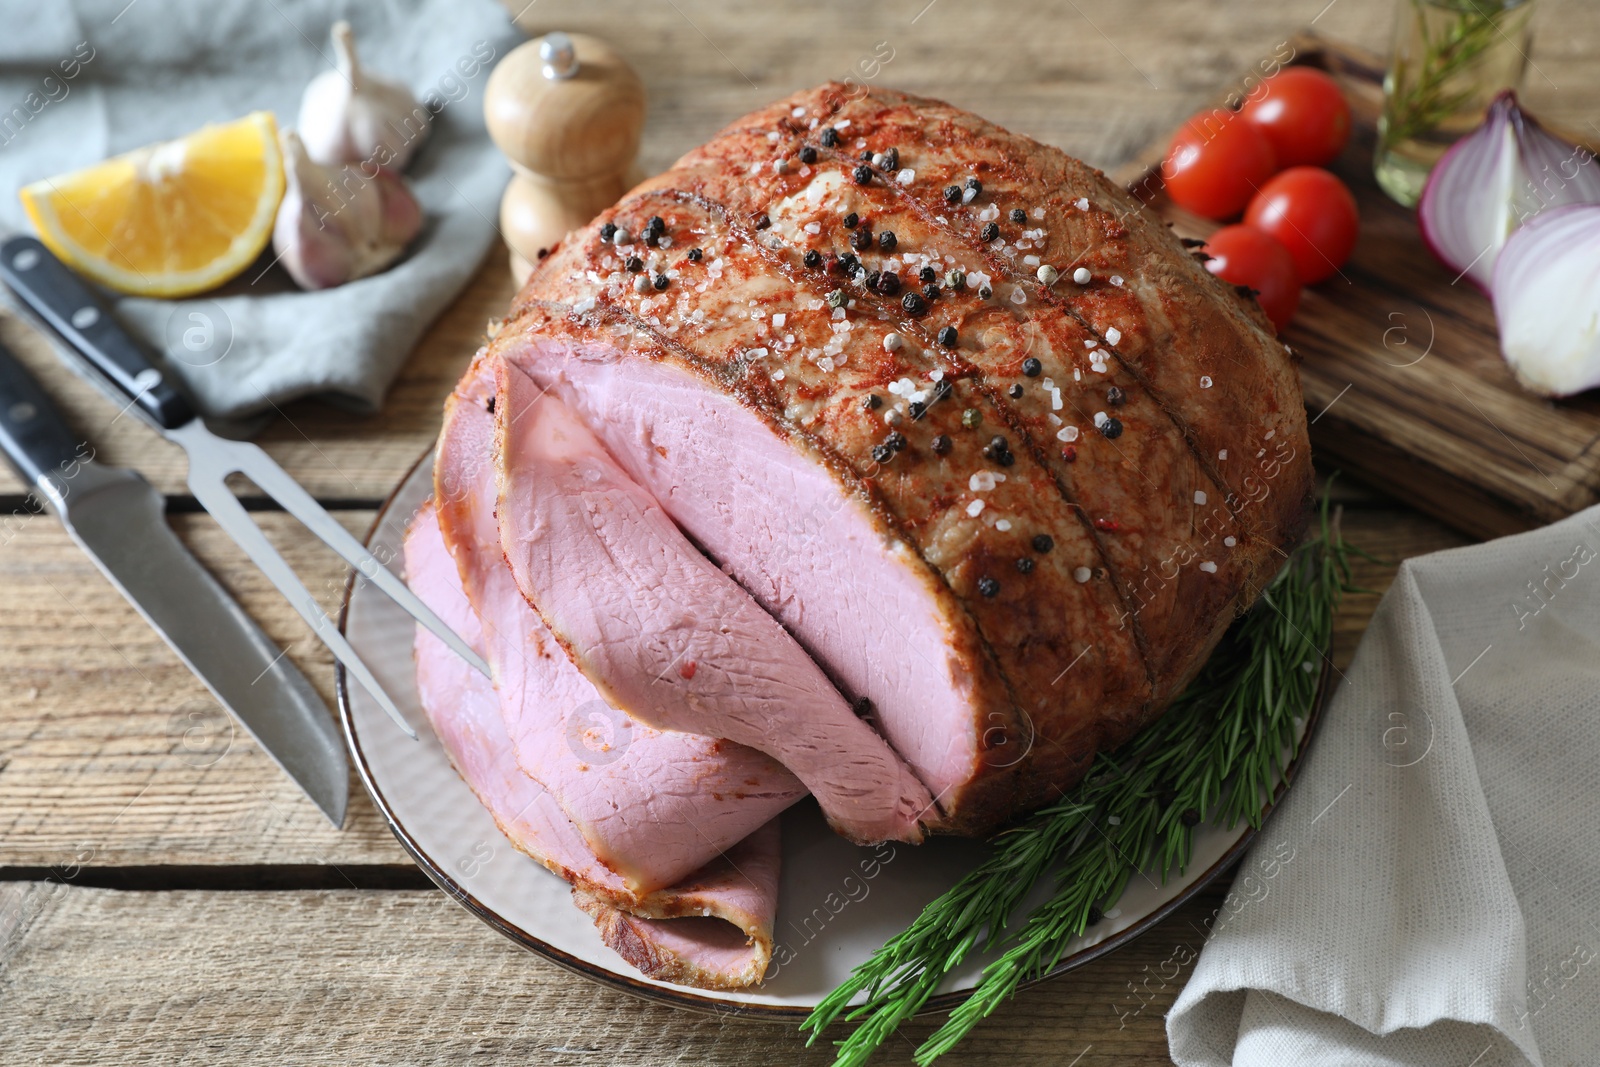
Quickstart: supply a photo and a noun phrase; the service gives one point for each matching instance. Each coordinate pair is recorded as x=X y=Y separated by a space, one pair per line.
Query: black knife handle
x=61 y=298
x=33 y=434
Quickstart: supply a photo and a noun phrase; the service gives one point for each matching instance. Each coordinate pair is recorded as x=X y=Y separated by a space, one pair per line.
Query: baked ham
x=871 y=381
x=952 y=407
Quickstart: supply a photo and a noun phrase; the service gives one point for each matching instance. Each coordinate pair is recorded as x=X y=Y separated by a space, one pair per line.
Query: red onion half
x=1547 y=300
x=1495 y=179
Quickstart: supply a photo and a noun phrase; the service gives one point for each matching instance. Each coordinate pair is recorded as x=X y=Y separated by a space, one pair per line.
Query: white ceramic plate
x=837 y=903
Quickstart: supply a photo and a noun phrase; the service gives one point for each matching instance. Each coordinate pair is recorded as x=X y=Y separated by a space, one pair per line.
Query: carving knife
x=117 y=518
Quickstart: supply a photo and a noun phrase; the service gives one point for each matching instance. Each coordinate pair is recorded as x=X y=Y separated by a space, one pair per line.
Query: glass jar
x=1450 y=59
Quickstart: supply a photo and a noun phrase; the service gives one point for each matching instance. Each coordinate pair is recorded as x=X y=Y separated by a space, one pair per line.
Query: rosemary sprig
x=1219 y=749
x=1414 y=110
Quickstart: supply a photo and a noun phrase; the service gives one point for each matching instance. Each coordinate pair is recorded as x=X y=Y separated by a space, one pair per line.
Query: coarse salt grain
x=1018 y=296
x=1230 y=541
x=1116 y=279
x=1003 y=525
x=777 y=376
x=1113 y=335
x=906 y=176
x=1082 y=574
x=975 y=508
x=1055 y=399
x=1223 y=454
x=1067 y=433
x=1199 y=496
x=1205 y=381
x=983 y=481
x=1099 y=419
x=1037 y=212
x=1032 y=261
x=813 y=227
x=1083 y=203
x=1209 y=567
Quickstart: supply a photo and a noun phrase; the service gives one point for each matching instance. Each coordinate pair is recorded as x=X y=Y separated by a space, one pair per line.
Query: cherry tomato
x=1313 y=214
x=1303 y=114
x=1244 y=255
x=1216 y=163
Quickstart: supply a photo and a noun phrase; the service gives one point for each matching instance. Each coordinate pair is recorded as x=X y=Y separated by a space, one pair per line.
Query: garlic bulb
x=350 y=116
x=340 y=223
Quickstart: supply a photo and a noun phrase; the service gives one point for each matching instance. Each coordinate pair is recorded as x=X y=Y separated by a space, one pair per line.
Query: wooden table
x=167 y=896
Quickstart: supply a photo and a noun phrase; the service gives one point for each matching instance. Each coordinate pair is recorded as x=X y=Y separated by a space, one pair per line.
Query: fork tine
x=302 y=505
x=236 y=522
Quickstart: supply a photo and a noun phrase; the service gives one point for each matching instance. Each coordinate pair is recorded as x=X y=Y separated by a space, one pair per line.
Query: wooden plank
x=113 y=756
x=1401 y=364
x=93 y=976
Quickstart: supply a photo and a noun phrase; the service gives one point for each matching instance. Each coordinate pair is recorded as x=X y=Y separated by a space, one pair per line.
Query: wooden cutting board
x=1401 y=364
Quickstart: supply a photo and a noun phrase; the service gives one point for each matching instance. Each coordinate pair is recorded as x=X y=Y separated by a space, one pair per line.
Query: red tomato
x=1244 y=255
x=1303 y=114
x=1313 y=214
x=1215 y=163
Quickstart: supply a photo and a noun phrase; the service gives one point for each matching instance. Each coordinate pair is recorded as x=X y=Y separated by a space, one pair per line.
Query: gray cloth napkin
x=151 y=70
x=1429 y=892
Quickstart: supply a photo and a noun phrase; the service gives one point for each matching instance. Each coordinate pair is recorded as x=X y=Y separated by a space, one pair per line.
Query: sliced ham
x=713 y=929
x=1014 y=511
x=652 y=806
x=664 y=634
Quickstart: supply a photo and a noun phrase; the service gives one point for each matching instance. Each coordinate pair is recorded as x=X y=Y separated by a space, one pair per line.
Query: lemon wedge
x=170 y=219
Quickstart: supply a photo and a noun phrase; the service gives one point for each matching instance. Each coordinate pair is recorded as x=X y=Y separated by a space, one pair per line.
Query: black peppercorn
x=608 y=231
x=887 y=240
x=808 y=154
x=952 y=194
x=1111 y=428
x=988 y=586
x=872 y=402
x=882 y=453
x=1043 y=543
x=998 y=443
x=942 y=389
x=829 y=137
x=634 y=264
x=985 y=292
x=941 y=445
x=660 y=281
x=891 y=159
x=695 y=255
x=888 y=283
x=914 y=304
x=1031 y=367
x=990 y=232
x=861 y=240
x=1094 y=916
x=866 y=156
x=917 y=409
x=930 y=292
x=655 y=224
x=812 y=259
x=763 y=221
x=848 y=263
x=896 y=441
x=976 y=186
x=873 y=277
x=947 y=336
x=1018 y=216
x=862 y=707
x=1024 y=564
x=928 y=274
x=863 y=175
x=852 y=220
x=1015 y=391
x=1115 y=397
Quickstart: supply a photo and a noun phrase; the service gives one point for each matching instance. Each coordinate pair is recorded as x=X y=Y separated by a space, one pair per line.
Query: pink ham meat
x=651 y=806
x=713 y=929
x=667 y=636
x=1014 y=507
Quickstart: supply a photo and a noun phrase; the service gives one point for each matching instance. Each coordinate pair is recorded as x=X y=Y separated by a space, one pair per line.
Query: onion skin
x=1547 y=301
x=1496 y=178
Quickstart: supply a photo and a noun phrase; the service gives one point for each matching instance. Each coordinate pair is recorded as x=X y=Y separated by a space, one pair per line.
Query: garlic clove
x=349 y=115
x=337 y=224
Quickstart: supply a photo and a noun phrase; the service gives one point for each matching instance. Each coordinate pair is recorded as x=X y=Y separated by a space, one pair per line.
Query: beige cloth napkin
x=1429 y=891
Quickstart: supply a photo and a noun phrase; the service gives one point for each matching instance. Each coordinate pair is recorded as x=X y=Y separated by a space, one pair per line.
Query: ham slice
x=652 y=806
x=713 y=929
x=667 y=636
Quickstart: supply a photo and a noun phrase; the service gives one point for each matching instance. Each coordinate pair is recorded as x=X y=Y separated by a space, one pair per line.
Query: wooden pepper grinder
x=567 y=110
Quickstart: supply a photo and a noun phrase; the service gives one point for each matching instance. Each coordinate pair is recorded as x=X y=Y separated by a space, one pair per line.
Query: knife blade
x=58 y=296
x=118 y=519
